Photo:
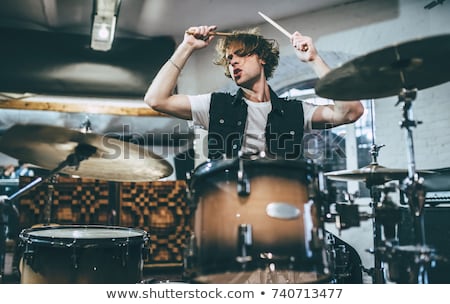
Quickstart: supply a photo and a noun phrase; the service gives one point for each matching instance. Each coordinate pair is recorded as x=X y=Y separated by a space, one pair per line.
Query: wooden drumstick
x=281 y=29
x=213 y=33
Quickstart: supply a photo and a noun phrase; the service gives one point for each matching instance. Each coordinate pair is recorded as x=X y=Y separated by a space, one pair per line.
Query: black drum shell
x=100 y=254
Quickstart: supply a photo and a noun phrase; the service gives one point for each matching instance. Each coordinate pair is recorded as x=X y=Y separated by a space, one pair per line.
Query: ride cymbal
x=416 y=64
x=88 y=155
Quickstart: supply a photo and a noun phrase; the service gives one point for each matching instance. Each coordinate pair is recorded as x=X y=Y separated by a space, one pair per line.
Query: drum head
x=303 y=168
x=83 y=235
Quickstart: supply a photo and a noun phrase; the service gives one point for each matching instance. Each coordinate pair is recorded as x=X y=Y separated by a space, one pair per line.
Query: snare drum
x=82 y=254
x=254 y=222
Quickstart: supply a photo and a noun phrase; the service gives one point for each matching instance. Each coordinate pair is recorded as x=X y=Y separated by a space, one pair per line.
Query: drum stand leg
x=412 y=186
x=7 y=212
x=377 y=271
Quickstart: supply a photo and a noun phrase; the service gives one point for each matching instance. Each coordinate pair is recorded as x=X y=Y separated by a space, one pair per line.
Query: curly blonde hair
x=250 y=42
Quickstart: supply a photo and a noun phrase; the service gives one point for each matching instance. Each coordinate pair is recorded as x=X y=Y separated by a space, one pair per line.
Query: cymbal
x=416 y=64
x=373 y=173
x=90 y=155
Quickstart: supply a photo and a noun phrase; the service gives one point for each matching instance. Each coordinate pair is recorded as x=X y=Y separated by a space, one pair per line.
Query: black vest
x=228 y=116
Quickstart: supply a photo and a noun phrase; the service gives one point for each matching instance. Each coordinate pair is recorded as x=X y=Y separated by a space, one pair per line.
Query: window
x=328 y=147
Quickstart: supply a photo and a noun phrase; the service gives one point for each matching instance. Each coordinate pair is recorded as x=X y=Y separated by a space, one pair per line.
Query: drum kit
x=254 y=219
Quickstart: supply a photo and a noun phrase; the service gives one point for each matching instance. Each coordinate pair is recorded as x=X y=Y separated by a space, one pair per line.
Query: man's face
x=245 y=69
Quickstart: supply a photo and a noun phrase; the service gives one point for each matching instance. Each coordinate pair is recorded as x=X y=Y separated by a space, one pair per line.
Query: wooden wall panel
x=73 y=201
x=159 y=208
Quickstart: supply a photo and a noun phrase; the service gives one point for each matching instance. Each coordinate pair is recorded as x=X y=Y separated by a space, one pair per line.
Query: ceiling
x=48 y=40
x=150 y=18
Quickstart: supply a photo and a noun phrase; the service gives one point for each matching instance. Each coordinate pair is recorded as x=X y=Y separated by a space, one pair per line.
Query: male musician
x=254 y=119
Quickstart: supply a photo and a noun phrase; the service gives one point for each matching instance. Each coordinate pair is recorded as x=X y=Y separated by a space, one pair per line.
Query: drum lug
x=189 y=256
x=146 y=252
x=245 y=242
x=190 y=193
x=125 y=254
x=28 y=255
x=74 y=258
x=316 y=242
x=243 y=184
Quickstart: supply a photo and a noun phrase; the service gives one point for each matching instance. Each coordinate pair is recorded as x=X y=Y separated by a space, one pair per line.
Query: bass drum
x=255 y=222
x=82 y=254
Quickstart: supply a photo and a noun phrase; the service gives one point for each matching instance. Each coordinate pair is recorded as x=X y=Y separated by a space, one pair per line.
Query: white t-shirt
x=257 y=112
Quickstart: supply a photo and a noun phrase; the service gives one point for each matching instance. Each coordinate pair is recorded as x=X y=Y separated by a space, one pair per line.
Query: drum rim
x=27 y=236
x=213 y=166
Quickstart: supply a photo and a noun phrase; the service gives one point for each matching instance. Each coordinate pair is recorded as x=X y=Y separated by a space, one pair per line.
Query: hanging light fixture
x=104 y=24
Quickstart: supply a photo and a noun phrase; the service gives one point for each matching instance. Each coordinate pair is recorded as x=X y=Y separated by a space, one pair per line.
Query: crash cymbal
x=373 y=174
x=416 y=64
x=97 y=156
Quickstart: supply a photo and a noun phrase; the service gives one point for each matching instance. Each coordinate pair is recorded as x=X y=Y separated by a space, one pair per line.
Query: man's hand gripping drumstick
x=303 y=44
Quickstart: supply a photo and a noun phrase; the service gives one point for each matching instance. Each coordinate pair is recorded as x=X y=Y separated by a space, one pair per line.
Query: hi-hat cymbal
x=373 y=174
x=97 y=156
x=416 y=64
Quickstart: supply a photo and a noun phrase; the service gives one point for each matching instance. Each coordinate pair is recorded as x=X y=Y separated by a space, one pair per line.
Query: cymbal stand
x=377 y=272
x=413 y=186
x=385 y=216
x=48 y=204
